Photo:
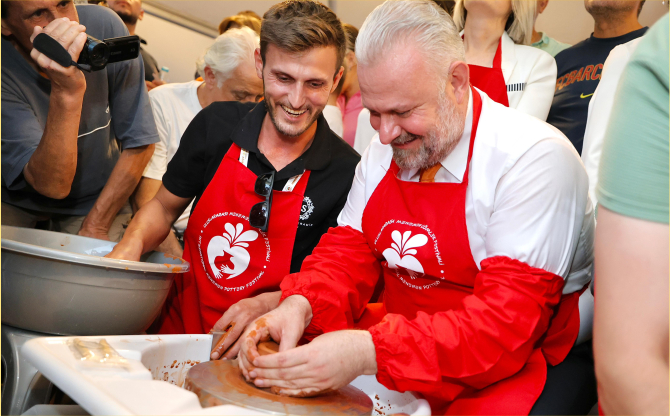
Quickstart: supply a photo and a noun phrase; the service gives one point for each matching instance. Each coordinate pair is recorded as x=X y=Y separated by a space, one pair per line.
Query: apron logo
x=306 y=209
x=402 y=251
x=232 y=247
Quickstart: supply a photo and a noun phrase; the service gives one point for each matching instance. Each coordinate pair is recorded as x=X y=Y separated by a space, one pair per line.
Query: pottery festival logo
x=411 y=251
x=402 y=251
x=226 y=252
x=232 y=246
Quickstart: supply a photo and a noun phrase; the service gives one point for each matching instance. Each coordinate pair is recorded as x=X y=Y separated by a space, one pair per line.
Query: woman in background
x=497 y=35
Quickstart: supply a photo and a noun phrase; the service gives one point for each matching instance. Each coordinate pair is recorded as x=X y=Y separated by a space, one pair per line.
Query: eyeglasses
x=259 y=216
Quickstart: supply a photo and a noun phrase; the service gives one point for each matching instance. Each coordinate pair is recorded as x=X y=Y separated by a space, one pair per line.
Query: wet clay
x=219 y=345
x=268 y=347
x=221 y=382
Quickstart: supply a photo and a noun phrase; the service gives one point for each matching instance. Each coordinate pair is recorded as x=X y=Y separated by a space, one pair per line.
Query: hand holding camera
x=72 y=37
x=58 y=49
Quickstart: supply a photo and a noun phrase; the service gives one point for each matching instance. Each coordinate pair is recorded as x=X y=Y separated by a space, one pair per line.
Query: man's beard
x=437 y=144
x=286 y=129
x=127 y=18
x=609 y=9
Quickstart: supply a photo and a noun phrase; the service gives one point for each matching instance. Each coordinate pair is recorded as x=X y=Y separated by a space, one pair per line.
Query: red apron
x=491 y=80
x=440 y=279
x=230 y=260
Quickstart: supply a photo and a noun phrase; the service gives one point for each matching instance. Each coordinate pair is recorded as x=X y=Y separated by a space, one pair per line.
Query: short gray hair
x=421 y=22
x=227 y=52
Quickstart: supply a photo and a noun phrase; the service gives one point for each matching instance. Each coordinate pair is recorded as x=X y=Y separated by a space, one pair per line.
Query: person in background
x=74 y=144
x=541 y=40
x=631 y=284
x=446 y=5
x=242 y=19
x=332 y=112
x=497 y=35
x=229 y=74
x=269 y=179
x=130 y=11
x=350 y=99
x=249 y=13
x=476 y=217
x=600 y=109
x=580 y=66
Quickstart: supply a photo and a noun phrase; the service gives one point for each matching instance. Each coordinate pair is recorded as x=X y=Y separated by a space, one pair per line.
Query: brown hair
x=351 y=33
x=249 y=13
x=238 y=21
x=300 y=25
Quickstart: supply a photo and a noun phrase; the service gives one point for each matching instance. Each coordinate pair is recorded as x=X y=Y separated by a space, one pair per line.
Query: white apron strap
x=290 y=184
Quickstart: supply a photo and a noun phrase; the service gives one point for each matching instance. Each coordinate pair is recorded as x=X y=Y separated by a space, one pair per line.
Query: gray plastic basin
x=60 y=284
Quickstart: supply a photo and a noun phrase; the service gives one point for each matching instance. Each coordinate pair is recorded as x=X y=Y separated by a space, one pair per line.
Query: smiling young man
x=237 y=263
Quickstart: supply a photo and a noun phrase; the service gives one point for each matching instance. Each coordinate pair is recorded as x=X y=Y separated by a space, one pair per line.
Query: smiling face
x=23 y=16
x=297 y=85
x=421 y=117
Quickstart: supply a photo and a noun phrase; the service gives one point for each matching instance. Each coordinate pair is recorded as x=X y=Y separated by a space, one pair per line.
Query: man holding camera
x=74 y=144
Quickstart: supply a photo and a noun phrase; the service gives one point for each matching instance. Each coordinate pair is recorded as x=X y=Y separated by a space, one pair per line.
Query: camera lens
x=98 y=54
x=95 y=53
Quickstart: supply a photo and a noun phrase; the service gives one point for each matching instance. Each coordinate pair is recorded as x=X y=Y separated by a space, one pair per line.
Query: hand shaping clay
x=268 y=347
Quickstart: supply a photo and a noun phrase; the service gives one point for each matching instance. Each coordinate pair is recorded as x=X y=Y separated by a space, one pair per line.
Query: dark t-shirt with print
x=579 y=71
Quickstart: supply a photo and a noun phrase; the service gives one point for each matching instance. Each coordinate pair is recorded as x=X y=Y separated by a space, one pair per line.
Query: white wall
x=173 y=46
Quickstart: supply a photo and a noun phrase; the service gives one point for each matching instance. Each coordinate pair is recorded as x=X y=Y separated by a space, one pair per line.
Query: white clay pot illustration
x=402 y=251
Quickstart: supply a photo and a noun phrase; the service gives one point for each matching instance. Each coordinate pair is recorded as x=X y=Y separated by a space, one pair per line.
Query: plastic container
x=60 y=284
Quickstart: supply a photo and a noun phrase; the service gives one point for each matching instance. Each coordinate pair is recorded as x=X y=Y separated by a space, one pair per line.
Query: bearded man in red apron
x=477 y=218
x=269 y=179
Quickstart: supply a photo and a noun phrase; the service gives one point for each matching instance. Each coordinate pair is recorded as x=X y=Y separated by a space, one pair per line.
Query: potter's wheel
x=221 y=382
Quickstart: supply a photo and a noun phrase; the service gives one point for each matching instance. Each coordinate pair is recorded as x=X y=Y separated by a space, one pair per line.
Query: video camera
x=95 y=55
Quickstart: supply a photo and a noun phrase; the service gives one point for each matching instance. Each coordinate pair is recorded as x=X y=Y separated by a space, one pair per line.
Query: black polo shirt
x=331 y=160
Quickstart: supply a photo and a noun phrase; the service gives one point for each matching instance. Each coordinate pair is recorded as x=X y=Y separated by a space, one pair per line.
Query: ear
x=337 y=79
x=210 y=78
x=350 y=57
x=6 y=31
x=460 y=80
x=541 y=5
x=258 y=61
x=141 y=16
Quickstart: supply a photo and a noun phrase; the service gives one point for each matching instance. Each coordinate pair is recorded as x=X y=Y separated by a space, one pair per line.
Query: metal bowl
x=60 y=284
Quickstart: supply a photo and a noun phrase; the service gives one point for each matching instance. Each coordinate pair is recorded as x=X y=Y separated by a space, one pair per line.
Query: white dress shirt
x=600 y=109
x=527 y=196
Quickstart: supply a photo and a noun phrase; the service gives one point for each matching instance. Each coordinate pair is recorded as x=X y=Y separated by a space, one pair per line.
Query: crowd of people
x=445 y=198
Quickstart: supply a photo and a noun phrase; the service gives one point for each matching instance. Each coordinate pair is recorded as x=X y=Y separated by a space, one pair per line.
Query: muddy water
x=221 y=382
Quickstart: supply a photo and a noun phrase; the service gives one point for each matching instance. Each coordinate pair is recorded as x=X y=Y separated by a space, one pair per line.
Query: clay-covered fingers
x=233 y=351
x=231 y=333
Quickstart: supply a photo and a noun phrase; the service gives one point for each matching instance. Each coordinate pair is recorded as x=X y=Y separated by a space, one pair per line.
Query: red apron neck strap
x=497 y=58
